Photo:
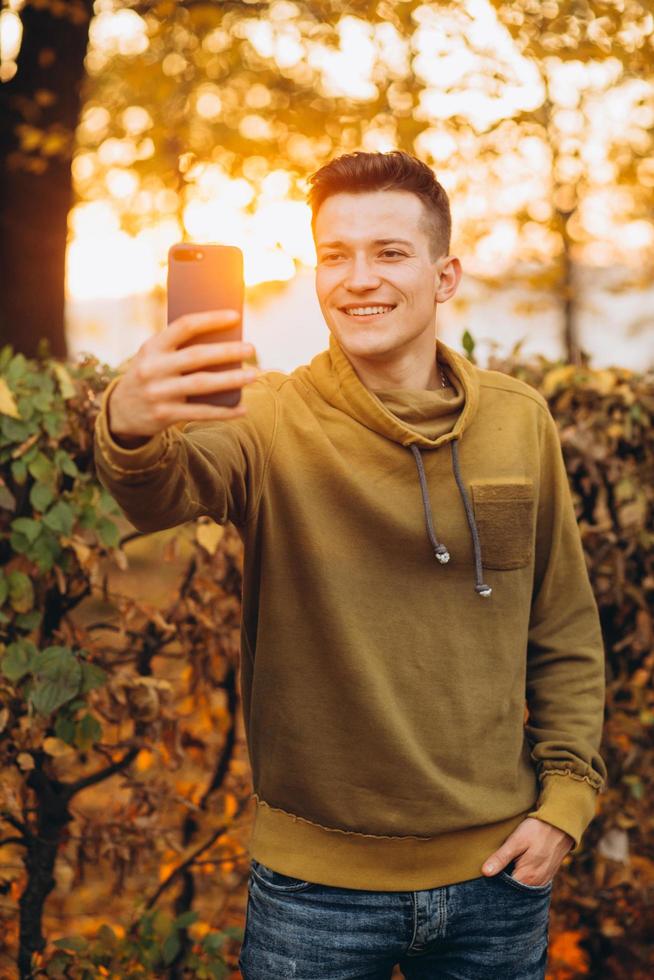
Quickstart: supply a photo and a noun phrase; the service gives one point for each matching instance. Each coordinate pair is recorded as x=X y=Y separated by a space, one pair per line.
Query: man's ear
x=449 y=279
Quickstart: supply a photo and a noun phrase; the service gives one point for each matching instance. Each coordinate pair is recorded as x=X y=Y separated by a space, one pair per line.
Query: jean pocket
x=504 y=514
x=275 y=881
x=523 y=886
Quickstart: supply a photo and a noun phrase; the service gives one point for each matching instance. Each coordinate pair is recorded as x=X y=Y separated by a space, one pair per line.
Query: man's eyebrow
x=377 y=241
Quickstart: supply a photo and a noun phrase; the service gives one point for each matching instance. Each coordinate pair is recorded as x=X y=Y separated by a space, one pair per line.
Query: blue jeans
x=480 y=929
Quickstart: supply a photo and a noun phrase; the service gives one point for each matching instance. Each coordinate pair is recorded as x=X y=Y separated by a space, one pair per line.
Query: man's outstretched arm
x=161 y=475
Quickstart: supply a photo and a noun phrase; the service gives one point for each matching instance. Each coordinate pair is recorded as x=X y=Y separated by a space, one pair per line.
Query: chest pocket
x=504 y=514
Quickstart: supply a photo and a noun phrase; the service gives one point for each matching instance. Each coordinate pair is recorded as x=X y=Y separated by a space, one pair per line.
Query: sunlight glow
x=11 y=35
x=474 y=72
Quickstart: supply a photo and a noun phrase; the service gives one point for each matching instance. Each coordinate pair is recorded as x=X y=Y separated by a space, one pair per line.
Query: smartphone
x=208 y=277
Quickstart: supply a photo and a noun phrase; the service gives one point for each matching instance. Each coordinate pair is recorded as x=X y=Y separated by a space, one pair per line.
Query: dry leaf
x=66 y=385
x=7 y=402
x=56 y=746
x=209 y=535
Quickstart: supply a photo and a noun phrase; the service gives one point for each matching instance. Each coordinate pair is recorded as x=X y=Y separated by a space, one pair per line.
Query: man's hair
x=359 y=173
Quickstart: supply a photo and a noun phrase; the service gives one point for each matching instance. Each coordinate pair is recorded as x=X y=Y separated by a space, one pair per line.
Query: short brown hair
x=359 y=172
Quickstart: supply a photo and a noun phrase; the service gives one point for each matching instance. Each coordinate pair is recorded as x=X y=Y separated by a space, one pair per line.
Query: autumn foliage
x=125 y=801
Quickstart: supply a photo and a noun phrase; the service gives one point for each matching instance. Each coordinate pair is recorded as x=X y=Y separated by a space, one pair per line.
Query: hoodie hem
x=302 y=849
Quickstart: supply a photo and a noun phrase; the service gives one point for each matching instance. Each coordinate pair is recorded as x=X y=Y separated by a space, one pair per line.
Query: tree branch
x=176 y=872
x=15 y=822
x=102 y=774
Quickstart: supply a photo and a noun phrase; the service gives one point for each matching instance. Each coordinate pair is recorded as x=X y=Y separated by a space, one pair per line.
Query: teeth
x=367 y=310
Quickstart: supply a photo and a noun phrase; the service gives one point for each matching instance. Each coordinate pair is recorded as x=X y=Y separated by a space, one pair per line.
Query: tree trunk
x=40 y=108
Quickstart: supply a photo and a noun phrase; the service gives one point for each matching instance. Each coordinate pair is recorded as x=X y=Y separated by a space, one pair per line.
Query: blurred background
x=128 y=126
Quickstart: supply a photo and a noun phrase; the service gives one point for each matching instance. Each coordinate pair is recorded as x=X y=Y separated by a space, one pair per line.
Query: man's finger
x=189 y=326
x=502 y=856
x=176 y=363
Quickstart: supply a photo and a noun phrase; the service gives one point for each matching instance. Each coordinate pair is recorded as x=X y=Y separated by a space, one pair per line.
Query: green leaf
x=213 y=942
x=468 y=344
x=88 y=730
x=186 y=918
x=25 y=407
x=77 y=943
x=92 y=677
x=171 y=948
x=65 y=728
x=27 y=527
x=58 y=677
x=7 y=499
x=218 y=970
x=16 y=368
x=16 y=660
x=53 y=423
x=46 y=551
x=41 y=496
x=42 y=401
x=14 y=430
x=21 y=591
x=60 y=518
x=42 y=470
x=19 y=471
x=108 y=532
x=50 y=660
x=19 y=543
x=66 y=463
x=87 y=516
x=108 y=503
x=56 y=966
x=4 y=588
x=107 y=936
x=28 y=621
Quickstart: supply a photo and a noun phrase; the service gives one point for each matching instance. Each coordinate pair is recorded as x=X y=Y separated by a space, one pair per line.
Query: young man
x=413 y=574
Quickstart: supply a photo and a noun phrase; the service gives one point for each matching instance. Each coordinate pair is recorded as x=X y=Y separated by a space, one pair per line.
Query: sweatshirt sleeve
x=213 y=468
x=565 y=658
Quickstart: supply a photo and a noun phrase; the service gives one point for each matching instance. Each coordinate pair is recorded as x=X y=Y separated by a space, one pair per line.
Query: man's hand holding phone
x=151 y=395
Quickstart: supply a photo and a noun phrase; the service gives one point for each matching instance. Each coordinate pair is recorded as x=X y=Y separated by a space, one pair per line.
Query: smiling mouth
x=377 y=314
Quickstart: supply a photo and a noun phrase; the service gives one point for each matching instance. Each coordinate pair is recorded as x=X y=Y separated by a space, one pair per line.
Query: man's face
x=364 y=272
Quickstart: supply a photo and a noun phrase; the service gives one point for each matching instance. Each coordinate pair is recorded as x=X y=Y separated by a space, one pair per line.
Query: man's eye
x=394 y=251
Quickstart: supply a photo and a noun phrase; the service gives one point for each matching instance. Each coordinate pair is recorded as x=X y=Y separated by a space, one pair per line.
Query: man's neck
x=411 y=373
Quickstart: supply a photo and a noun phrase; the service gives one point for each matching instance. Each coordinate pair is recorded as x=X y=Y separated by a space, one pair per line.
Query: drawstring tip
x=442 y=554
x=483 y=590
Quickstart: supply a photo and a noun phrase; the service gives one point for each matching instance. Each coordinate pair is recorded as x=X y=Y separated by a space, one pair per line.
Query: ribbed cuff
x=567 y=803
x=141 y=458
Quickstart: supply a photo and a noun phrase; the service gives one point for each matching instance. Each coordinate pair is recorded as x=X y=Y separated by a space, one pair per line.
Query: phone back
x=204 y=277
x=208 y=277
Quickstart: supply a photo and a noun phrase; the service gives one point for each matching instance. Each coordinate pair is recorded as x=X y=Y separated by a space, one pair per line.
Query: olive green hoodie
x=413 y=576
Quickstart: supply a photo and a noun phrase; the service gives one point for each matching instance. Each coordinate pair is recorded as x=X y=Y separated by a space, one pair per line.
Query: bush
x=134 y=713
x=601 y=923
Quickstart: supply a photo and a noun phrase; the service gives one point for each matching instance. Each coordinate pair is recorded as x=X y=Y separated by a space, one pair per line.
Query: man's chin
x=362 y=348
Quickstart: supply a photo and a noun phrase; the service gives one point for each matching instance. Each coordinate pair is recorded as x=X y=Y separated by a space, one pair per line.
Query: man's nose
x=361 y=274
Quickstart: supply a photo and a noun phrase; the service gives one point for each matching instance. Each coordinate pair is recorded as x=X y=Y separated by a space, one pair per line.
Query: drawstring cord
x=440 y=551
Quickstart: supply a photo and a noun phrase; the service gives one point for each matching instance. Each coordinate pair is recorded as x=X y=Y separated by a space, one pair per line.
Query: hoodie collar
x=335 y=378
